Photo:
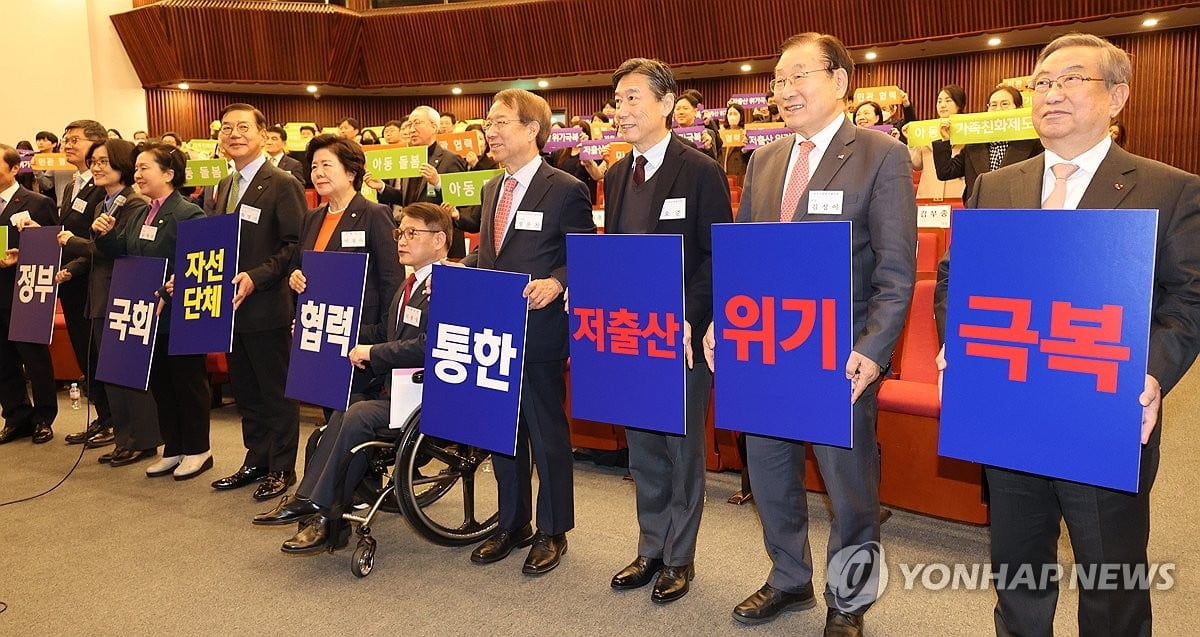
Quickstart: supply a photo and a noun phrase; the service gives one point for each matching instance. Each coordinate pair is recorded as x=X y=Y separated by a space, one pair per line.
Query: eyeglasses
x=1063 y=82
x=99 y=162
x=242 y=128
x=779 y=83
x=71 y=141
x=409 y=233
x=501 y=123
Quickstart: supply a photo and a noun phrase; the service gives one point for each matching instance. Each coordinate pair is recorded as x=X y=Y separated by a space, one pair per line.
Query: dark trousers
x=1107 y=527
x=668 y=471
x=181 y=392
x=135 y=417
x=364 y=421
x=258 y=368
x=97 y=391
x=543 y=426
x=23 y=364
x=852 y=478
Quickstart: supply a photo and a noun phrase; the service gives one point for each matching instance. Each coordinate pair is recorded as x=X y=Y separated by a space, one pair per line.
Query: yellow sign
x=882 y=95
x=50 y=161
x=733 y=137
x=923 y=133
x=295 y=141
x=997 y=126
x=459 y=143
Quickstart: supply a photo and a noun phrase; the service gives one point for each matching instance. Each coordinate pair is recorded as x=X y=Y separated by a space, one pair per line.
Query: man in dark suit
x=871 y=175
x=271 y=206
x=396 y=342
x=276 y=146
x=1081 y=82
x=526 y=216
x=977 y=159
x=427 y=187
x=22 y=363
x=79 y=200
x=666 y=186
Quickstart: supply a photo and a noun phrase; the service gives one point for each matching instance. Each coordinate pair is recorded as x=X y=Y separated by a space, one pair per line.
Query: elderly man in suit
x=22 y=364
x=270 y=203
x=428 y=187
x=527 y=214
x=668 y=470
x=1081 y=82
x=976 y=159
x=396 y=342
x=276 y=147
x=871 y=174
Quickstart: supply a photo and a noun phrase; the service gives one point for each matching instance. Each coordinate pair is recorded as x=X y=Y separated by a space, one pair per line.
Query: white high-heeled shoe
x=194 y=465
x=164 y=466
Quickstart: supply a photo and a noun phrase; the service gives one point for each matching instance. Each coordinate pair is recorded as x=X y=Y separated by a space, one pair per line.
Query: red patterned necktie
x=503 y=212
x=797 y=182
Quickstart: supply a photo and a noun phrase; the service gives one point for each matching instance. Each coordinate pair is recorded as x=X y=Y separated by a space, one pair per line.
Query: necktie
x=1058 y=194
x=639 y=170
x=996 y=151
x=408 y=287
x=231 y=202
x=154 y=206
x=797 y=182
x=79 y=182
x=503 y=212
x=3 y=203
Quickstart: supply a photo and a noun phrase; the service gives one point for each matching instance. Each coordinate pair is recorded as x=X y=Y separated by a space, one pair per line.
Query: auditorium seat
x=913 y=475
x=62 y=355
x=312 y=198
x=218 y=374
x=927 y=255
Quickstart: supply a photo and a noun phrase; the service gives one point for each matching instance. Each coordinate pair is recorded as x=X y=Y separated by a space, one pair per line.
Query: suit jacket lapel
x=775 y=179
x=257 y=185
x=835 y=157
x=664 y=177
x=1115 y=178
x=531 y=200
x=487 y=220
x=1029 y=193
x=619 y=173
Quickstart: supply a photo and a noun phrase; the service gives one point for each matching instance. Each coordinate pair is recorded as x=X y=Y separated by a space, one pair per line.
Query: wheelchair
x=432 y=482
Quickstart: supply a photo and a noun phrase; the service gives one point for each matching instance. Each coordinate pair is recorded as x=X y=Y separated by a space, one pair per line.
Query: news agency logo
x=857 y=576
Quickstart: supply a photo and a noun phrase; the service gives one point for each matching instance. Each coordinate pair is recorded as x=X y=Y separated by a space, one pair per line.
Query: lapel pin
x=1118 y=185
x=354 y=215
x=841 y=156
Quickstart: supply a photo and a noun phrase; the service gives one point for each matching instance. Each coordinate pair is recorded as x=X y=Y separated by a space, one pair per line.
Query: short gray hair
x=428 y=112
x=1114 y=62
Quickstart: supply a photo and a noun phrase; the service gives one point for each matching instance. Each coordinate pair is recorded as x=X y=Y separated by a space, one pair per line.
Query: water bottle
x=74 y=394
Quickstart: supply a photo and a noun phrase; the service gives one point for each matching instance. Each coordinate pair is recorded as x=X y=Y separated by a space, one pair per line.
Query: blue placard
x=627 y=330
x=328 y=314
x=783 y=319
x=131 y=322
x=475 y=355
x=1048 y=325
x=34 y=291
x=206 y=258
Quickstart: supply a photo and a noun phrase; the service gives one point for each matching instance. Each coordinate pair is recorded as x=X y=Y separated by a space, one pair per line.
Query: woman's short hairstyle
x=121 y=156
x=348 y=152
x=168 y=158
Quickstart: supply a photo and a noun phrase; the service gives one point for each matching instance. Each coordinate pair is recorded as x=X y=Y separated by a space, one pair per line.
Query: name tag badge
x=674 y=209
x=79 y=205
x=250 y=213
x=354 y=239
x=148 y=233
x=412 y=316
x=825 y=202
x=528 y=220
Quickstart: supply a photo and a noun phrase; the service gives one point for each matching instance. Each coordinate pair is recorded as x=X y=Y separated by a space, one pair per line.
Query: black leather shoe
x=103 y=439
x=80 y=437
x=275 y=485
x=107 y=457
x=501 y=543
x=840 y=624
x=769 y=602
x=672 y=583
x=240 y=478
x=637 y=574
x=122 y=457
x=290 y=509
x=547 y=550
x=42 y=433
x=314 y=537
x=11 y=433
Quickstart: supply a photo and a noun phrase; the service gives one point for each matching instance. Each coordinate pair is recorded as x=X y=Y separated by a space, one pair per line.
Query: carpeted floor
x=112 y=552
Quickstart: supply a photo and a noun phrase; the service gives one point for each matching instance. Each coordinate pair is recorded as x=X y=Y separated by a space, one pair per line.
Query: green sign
x=466 y=189
x=388 y=163
x=295 y=141
x=922 y=133
x=3 y=239
x=206 y=172
x=996 y=126
x=206 y=147
x=369 y=193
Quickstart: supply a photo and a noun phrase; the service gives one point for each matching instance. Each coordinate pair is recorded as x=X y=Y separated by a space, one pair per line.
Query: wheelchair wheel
x=363 y=560
x=379 y=470
x=441 y=489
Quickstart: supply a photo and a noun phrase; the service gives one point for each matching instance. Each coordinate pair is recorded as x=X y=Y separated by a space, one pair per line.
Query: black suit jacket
x=100 y=265
x=266 y=246
x=396 y=344
x=41 y=210
x=410 y=190
x=293 y=167
x=974 y=159
x=1125 y=180
x=689 y=174
x=385 y=275
x=78 y=222
x=566 y=208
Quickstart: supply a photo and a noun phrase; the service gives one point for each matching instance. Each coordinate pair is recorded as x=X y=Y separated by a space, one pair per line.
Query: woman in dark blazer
x=133 y=418
x=349 y=223
x=179 y=383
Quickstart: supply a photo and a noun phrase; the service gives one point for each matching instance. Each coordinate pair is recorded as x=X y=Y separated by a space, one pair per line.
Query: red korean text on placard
x=623 y=331
x=754 y=321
